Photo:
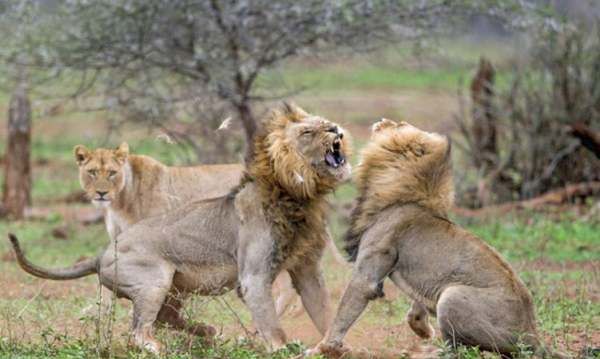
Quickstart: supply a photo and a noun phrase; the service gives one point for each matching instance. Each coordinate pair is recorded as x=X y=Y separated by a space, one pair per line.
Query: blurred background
x=515 y=84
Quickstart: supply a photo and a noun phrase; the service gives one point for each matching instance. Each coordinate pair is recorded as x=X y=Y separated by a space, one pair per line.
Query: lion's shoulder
x=142 y=164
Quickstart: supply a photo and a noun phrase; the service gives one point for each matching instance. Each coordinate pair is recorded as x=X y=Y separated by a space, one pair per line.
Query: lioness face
x=322 y=144
x=101 y=172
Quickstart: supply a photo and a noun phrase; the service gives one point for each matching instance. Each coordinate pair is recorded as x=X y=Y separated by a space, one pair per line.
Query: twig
x=32 y=299
x=224 y=302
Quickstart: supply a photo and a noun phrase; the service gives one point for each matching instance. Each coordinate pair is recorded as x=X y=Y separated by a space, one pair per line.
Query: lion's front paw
x=328 y=350
x=206 y=332
x=203 y=330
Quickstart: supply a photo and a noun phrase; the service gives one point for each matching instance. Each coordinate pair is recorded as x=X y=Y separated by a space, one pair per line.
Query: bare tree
x=545 y=119
x=17 y=167
x=484 y=120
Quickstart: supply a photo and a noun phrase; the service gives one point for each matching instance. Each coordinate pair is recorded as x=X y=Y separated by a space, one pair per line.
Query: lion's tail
x=81 y=269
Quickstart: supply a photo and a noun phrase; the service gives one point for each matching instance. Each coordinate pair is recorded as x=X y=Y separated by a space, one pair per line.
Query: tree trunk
x=484 y=126
x=483 y=130
x=17 y=170
x=250 y=128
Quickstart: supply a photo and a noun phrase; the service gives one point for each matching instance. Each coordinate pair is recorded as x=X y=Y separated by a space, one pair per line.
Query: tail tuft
x=13 y=240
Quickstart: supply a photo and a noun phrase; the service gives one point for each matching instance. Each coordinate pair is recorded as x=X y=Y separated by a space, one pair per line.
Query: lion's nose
x=333 y=129
x=101 y=193
x=336 y=130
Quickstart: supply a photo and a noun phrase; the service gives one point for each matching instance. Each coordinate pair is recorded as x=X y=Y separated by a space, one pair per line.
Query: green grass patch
x=444 y=66
x=365 y=78
x=537 y=237
x=36 y=239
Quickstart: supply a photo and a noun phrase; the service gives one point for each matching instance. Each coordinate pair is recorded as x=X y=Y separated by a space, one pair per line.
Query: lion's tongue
x=331 y=160
x=334 y=159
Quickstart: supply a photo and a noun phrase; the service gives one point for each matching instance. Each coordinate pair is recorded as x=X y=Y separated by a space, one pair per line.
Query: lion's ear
x=293 y=112
x=382 y=124
x=81 y=154
x=122 y=152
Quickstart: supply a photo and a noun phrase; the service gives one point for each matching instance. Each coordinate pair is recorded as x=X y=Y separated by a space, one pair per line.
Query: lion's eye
x=306 y=132
x=112 y=173
x=92 y=173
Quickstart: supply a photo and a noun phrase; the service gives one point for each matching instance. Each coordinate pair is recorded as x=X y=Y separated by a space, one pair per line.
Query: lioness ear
x=122 y=152
x=293 y=112
x=81 y=154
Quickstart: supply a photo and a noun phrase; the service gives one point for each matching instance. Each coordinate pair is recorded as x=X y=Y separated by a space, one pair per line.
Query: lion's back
x=162 y=189
x=205 y=181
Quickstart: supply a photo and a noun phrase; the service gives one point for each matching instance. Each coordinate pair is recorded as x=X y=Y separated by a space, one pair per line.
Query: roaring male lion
x=275 y=220
x=400 y=229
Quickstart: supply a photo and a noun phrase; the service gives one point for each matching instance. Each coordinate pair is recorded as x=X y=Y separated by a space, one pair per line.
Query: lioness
x=274 y=221
x=133 y=187
x=400 y=229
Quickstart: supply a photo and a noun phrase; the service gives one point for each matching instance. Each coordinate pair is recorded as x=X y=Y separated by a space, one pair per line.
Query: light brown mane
x=291 y=191
x=400 y=165
x=277 y=165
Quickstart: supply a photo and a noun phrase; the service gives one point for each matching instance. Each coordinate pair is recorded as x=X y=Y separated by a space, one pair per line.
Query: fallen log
x=551 y=198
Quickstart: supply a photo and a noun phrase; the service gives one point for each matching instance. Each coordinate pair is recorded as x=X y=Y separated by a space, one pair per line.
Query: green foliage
x=66 y=347
x=536 y=237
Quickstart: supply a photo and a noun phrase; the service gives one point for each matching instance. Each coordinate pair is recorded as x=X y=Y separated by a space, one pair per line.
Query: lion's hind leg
x=418 y=316
x=146 y=306
x=170 y=314
x=418 y=320
x=147 y=286
x=482 y=317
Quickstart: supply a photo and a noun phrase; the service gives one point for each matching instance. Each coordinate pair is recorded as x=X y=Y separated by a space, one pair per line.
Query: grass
x=539 y=238
x=367 y=77
x=444 y=67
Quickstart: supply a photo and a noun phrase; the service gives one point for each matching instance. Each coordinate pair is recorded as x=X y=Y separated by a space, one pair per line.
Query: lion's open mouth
x=333 y=156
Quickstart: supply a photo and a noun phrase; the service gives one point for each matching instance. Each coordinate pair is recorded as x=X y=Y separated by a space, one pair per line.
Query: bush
x=533 y=151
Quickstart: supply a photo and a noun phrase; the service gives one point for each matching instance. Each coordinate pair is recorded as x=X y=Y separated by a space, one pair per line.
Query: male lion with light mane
x=275 y=220
x=400 y=229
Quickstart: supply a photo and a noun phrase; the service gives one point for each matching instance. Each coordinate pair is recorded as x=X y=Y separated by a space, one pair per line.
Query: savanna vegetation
x=554 y=246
